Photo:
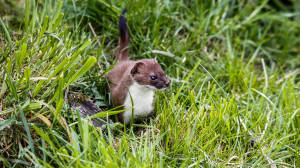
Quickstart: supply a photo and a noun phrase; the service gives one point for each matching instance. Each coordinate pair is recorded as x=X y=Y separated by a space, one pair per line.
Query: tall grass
x=233 y=100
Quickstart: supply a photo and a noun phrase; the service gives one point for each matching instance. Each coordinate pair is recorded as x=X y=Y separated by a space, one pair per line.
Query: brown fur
x=122 y=76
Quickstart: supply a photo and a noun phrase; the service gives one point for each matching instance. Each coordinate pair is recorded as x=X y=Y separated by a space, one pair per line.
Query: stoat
x=132 y=83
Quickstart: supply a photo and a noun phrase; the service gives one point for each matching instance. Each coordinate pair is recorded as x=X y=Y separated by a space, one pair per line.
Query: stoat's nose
x=167 y=83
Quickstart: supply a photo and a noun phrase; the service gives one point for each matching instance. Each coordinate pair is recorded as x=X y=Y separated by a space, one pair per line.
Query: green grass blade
x=44 y=27
x=58 y=68
x=186 y=79
x=85 y=137
x=55 y=15
x=27 y=12
x=104 y=114
x=58 y=108
x=34 y=16
x=58 y=21
x=32 y=106
x=5 y=123
x=27 y=74
x=38 y=87
x=30 y=141
x=23 y=53
x=3 y=88
x=89 y=63
x=5 y=32
x=11 y=85
x=44 y=137
x=8 y=65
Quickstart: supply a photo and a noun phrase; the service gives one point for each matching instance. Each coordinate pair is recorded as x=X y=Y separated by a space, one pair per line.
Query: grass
x=234 y=98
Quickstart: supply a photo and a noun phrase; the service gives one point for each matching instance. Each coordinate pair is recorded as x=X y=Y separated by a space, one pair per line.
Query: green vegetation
x=234 y=98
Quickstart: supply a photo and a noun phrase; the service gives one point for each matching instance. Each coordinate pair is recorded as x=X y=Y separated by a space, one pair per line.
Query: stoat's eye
x=153 y=77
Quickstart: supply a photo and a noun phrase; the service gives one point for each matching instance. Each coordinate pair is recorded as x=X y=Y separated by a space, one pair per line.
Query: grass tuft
x=239 y=107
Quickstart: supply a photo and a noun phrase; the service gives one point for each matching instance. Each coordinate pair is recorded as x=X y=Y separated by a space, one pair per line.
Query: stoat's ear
x=136 y=68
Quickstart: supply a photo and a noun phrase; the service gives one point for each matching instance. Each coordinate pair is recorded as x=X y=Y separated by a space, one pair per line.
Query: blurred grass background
x=234 y=95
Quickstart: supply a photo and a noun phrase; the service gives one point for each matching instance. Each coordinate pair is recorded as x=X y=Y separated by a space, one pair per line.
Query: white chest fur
x=141 y=99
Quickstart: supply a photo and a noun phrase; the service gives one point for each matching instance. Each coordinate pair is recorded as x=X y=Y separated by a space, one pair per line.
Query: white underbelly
x=142 y=101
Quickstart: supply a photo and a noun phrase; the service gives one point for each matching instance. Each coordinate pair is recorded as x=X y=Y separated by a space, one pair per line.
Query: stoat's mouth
x=151 y=87
x=154 y=88
x=161 y=88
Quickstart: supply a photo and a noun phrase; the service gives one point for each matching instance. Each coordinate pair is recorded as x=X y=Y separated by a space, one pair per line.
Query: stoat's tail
x=124 y=41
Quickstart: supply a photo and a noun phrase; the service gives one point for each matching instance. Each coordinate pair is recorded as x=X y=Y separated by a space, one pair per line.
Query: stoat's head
x=148 y=72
